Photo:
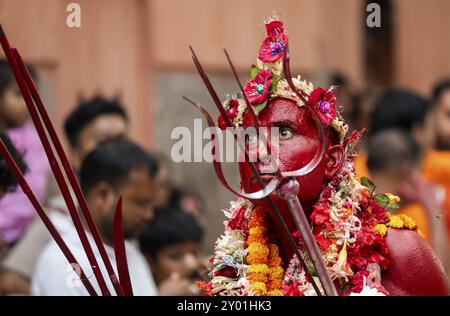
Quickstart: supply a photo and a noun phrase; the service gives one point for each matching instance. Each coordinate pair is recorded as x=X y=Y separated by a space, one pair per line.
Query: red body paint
x=414 y=268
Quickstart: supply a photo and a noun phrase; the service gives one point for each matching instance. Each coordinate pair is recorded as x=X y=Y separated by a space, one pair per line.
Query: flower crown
x=266 y=83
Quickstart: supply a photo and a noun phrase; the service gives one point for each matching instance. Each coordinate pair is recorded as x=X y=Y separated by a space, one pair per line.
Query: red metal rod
x=252 y=113
x=272 y=204
x=45 y=219
x=210 y=88
x=69 y=171
x=120 y=251
x=255 y=172
x=53 y=163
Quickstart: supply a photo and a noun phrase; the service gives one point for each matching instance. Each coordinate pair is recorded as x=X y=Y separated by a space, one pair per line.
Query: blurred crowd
x=406 y=152
x=161 y=219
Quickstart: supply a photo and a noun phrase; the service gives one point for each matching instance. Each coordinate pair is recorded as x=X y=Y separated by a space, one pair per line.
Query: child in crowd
x=171 y=244
x=16 y=211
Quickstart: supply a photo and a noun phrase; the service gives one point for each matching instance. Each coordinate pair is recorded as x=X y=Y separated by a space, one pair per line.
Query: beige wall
x=139 y=48
x=109 y=54
x=422 y=43
x=325 y=34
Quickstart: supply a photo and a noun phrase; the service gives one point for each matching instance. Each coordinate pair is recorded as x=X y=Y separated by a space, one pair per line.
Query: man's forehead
x=280 y=111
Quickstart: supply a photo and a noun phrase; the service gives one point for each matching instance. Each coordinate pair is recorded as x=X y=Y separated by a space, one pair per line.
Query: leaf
x=275 y=80
x=254 y=71
x=393 y=205
x=382 y=199
x=368 y=184
x=260 y=107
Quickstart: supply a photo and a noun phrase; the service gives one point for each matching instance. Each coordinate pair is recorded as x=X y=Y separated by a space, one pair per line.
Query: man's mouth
x=266 y=178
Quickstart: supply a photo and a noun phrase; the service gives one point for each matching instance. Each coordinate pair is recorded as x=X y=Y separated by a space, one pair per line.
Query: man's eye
x=176 y=256
x=286 y=133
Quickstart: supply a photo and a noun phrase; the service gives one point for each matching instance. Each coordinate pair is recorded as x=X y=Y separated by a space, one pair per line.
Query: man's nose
x=148 y=214
x=191 y=262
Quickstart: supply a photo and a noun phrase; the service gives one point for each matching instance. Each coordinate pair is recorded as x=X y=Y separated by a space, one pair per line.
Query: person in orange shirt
x=393 y=156
x=437 y=161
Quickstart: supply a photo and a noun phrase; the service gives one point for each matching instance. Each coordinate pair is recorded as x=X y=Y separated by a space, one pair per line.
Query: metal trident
x=283 y=182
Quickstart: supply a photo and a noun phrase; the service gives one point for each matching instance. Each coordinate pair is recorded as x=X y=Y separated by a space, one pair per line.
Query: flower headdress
x=267 y=83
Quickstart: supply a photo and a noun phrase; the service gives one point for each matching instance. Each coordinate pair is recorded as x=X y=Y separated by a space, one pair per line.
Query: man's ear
x=334 y=157
x=102 y=199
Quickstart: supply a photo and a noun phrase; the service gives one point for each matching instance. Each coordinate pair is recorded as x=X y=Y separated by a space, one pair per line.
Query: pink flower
x=275 y=28
x=323 y=102
x=232 y=112
x=273 y=46
x=257 y=90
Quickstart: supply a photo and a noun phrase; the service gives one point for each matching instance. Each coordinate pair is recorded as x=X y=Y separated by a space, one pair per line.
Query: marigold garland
x=265 y=270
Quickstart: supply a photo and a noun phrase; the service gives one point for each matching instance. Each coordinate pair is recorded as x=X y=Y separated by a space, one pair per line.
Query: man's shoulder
x=54 y=274
x=414 y=268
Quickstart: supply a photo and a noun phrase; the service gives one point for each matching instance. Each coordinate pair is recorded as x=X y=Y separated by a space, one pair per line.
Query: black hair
x=338 y=79
x=440 y=87
x=7 y=76
x=169 y=227
x=398 y=108
x=112 y=161
x=86 y=112
x=8 y=180
x=390 y=149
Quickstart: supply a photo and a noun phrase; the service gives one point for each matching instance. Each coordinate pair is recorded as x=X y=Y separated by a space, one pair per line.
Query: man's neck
x=283 y=208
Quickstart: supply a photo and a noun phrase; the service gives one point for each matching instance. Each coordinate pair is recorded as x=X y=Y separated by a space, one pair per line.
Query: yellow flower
x=259 y=268
x=392 y=198
x=381 y=229
x=395 y=221
x=274 y=293
x=408 y=221
x=275 y=261
x=257 y=277
x=259 y=288
x=276 y=273
x=256 y=258
x=274 y=284
x=256 y=238
x=274 y=250
x=257 y=230
x=258 y=247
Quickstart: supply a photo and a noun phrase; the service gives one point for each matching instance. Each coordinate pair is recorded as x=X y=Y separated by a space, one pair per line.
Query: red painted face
x=298 y=143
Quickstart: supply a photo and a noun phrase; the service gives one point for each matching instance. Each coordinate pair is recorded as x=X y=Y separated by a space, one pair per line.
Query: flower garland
x=350 y=223
x=266 y=271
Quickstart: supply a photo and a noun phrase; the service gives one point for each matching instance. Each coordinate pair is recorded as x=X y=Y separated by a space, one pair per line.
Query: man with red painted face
x=366 y=250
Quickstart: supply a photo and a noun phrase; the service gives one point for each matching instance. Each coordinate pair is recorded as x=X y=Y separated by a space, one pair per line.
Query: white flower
x=368 y=291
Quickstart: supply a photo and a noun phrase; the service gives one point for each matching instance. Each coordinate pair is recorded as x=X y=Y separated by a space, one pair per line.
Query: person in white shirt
x=112 y=168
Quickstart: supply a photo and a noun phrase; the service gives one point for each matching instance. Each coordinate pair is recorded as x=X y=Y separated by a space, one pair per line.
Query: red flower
x=205 y=288
x=228 y=272
x=237 y=221
x=323 y=102
x=292 y=290
x=257 y=90
x=274 y=28
x=232 y=111
x=323 y=242
x=272 y=48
